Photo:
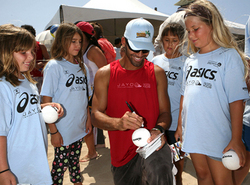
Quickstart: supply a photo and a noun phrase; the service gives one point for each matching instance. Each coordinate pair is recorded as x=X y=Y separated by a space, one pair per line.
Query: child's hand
x=60 y=110
x=57 y=140
x=239 y=148
x=88 y=126
x=7 y=178
x=178 y=134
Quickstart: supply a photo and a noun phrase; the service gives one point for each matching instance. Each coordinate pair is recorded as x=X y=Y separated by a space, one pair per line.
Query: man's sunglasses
x=136 y=51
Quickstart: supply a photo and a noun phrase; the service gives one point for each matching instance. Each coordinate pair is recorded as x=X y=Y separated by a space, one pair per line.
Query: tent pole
x=115 y=26
x=61 y=14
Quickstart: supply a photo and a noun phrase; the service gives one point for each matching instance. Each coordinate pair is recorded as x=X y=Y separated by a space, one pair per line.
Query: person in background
x=177 y=17
x=144 y=86
x=122 y=51
x=106 y=46
x=213 y=91
x=110 y=55
x=42 y=57
x=240 y=174
x=247 y=38
x=94 y=59
x=117 y=47
x=172 y=62
x=23 y=134
x=66 y=81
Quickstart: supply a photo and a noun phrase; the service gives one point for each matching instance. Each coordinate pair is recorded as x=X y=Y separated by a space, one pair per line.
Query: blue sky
x=39 y=13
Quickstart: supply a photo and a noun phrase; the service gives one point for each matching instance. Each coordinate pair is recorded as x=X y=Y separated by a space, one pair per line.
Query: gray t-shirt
x=65 y=83
x=23 y=125
x=174 y=71
x=211 y=82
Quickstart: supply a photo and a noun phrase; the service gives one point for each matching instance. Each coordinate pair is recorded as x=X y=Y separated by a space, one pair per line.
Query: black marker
x=132 y=110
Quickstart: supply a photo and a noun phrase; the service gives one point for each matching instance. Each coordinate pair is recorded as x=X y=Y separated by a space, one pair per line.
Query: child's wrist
x=4 y=171
x=54 y=132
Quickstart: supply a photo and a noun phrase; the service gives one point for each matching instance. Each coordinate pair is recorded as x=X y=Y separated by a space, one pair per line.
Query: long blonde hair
x=208 y=13
x=14 y=39
x=61 y=44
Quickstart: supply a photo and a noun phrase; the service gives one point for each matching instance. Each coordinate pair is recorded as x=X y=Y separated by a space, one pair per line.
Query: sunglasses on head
x=136 y=51
x=200 y=11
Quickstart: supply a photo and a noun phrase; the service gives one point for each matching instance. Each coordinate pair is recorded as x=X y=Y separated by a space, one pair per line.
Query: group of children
x=23 y=132
x=206 y=114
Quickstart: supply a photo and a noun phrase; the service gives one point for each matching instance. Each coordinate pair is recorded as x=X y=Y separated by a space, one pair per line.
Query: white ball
x=231 y=160
x=50 y=114
x=140 y=137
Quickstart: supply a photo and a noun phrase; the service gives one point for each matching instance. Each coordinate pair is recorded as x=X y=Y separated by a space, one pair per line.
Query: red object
x=86 y=27
x=39 y=56
x=108 y=48
x=139 y=89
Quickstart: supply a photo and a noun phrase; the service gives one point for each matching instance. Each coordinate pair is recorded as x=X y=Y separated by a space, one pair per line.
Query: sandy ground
x=98 y=172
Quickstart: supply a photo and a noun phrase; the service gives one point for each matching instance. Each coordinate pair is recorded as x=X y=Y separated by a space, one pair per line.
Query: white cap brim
x=141 y=45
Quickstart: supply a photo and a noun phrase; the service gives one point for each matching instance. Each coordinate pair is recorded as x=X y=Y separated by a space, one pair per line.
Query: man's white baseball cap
x=139 y=33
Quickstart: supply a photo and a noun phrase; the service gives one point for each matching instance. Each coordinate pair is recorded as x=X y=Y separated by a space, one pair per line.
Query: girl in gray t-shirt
x=23 y=134
x=213 y=92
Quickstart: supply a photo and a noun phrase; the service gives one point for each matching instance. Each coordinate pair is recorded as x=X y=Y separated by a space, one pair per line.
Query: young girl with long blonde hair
x=213 y=91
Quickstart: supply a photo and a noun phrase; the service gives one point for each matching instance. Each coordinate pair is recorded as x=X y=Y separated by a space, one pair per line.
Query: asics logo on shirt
x=171 y=75
x=200 y=72
x=25 y=99
x=214 y=63
x=72 y=78
x=178 y=68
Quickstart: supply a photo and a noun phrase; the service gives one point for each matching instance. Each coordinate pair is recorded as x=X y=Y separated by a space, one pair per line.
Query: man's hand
x=130 y=121
x=154 y=134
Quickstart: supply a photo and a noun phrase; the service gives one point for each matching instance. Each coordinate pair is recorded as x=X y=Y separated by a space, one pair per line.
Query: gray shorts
x=156 y=169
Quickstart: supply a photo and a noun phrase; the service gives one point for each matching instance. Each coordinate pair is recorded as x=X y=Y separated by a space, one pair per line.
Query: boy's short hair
x=174 y=29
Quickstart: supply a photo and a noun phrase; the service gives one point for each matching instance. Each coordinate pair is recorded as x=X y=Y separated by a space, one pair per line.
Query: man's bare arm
x=164 y=118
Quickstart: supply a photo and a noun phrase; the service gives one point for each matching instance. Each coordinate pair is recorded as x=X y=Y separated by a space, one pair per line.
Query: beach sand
x=98 y=171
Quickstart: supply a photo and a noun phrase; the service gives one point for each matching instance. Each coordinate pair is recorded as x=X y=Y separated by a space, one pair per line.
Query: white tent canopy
x=45 y=38
x=129 y=6
x=113 y=15
x=236 y=28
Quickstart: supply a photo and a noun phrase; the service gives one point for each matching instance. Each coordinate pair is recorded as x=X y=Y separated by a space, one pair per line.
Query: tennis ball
x=140 y=137
x=50 y=114
x=231 y=160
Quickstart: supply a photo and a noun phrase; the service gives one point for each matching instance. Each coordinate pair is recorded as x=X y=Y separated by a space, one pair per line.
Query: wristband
x=160 y=128
x=4 y=170
x=155 y=129
x=54 y=133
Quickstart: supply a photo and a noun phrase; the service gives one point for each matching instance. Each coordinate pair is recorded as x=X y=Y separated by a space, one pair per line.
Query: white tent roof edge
x=83 y=14
x=122 y=6
x=67 y=13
